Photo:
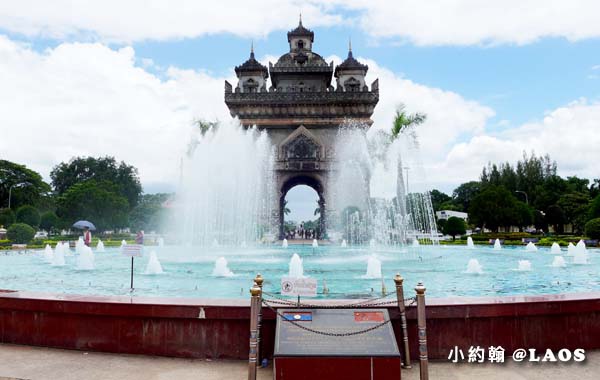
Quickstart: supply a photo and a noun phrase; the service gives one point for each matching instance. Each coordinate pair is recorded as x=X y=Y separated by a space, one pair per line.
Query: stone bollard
x=259 y=281
x=401 y=306
x=422 y=332
x=254 y=304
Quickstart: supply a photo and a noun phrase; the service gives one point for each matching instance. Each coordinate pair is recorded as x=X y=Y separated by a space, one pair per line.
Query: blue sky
x=496 y=78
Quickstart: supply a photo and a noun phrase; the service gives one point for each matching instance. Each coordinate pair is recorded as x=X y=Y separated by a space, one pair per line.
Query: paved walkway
x=35 y=363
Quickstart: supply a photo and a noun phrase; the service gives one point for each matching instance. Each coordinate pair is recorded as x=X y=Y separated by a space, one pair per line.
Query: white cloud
x=135 y=20
x=87 y=99
x=468 y=22
x=568 y=134
x=443 y=22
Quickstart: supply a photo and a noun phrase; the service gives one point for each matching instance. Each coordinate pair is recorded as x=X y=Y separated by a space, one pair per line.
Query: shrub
x=20 y=233
x=7 y=217
x=592 y=228
x=28 y=215
x=455 y=226
x=49 y=221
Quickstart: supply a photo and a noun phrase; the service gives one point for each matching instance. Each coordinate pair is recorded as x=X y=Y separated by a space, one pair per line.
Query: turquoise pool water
x=188 y=271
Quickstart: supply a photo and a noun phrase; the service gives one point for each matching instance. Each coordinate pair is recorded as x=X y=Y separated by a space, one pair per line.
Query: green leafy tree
x=555 y=216
x=405 y=122
x=149 y=213
x=575 y=207
x=592 y=228
x=27 y=185
x=81 y=169
x=20 y=233
x=286 y=209
x=464 y=194
x=99 y=202
x=455 y=226
x=28 y=215
x=49 y=221
x=594 y=211
x=438 y=199
x=7 y=217
x=494 y=207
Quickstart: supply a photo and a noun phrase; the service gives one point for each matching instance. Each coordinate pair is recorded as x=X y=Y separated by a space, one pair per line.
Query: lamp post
x=524 y=193
x=11 y=187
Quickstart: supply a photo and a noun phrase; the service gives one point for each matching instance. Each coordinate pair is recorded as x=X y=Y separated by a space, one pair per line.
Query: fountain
x=580 y=255
x=215 y=244
x=470 y=243
x=284 y=243
x=85 y=259
x=474 y=267
x=571 y=250
x=160 y=241
x=531 y=247
x=123 y=242
x=296 y=268
x=48 y=253
x=555 y=249
x=315 y=243
x=79 y=246
x=497 y=245
x=369 y=189
x=227 y=187
x=524 y=266
x=100 y=246
x=58 y=259
x=373 y=268
x=244 y=244
x=154 y=267
x=416 y=243
x=221 y=269
x=559 y=262
x=344 y=243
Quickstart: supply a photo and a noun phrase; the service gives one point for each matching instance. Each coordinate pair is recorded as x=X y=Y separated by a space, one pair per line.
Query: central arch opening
x=301 y=209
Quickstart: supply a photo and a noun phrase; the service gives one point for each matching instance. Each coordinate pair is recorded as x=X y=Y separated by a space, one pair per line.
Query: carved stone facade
x=302 y=111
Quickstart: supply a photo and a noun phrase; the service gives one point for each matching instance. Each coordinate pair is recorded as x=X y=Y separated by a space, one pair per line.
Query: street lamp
x=20 y=184
x=526 y=198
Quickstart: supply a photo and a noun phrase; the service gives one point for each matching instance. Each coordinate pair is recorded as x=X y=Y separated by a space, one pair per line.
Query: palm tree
x=286 y=210
x=404 y=123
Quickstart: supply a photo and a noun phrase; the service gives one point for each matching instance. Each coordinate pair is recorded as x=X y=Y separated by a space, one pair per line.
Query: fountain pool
x=188 y=271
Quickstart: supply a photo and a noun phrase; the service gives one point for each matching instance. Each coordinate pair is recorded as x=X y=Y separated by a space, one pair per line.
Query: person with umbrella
x=87 y=228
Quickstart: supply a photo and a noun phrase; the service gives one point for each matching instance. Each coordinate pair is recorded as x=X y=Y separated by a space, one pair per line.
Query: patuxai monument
x=302 y=110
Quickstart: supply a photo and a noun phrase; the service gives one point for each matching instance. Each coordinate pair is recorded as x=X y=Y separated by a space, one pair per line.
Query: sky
x=126 y=79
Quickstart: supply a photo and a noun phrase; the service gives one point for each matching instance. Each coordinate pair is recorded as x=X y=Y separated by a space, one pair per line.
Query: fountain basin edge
x=219 y=328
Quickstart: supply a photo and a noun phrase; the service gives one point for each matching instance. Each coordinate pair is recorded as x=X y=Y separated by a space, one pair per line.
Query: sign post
x=133 y=251
x=299 y=286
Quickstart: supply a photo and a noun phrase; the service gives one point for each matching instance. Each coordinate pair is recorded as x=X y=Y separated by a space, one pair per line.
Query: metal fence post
x=422 y=329
x=259 y=281
x=401 y=306
x=254 y=302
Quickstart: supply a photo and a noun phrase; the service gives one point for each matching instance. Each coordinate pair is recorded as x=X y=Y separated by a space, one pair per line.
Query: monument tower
x=302 y=110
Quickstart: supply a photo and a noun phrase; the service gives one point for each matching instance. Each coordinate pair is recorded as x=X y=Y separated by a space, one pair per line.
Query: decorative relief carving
x=302 y=148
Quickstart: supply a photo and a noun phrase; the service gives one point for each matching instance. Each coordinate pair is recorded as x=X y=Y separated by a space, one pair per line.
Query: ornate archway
x=312 y=181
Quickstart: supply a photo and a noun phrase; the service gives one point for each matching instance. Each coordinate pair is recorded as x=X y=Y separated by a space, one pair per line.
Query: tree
x=575 y=207
x=494 y=207
x=7 y=217
x=555 y=216
x=286 y=210
x=464 y=194
x=592 y=228
x=27 y=185
x=594 y=211
x=455 y=226
x=28 y=215
x=438 y=199
x=81 y=169
x=20 y=233
x=405 y=122
x=99 y=202
x=49 y=221
x=149 y=213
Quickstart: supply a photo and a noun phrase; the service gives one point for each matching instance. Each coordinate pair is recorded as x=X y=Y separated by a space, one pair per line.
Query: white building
x=445 y=214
